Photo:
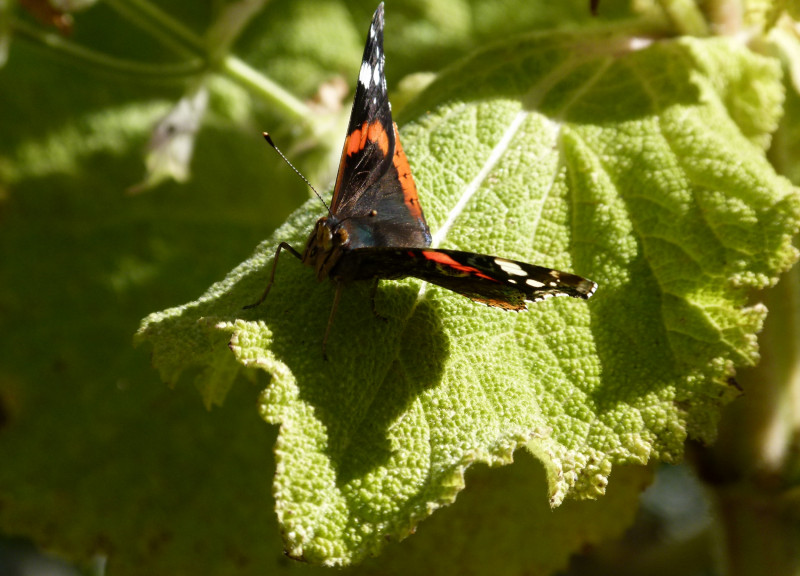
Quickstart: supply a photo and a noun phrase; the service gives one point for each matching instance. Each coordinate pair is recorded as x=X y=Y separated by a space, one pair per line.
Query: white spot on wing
x=534 y=283
x=365 y=75
x=376 y=74
x=510 y=267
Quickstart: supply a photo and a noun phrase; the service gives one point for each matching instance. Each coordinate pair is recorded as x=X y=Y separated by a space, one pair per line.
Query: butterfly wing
x=488 y=279
x=375 y=197
x=498 y=281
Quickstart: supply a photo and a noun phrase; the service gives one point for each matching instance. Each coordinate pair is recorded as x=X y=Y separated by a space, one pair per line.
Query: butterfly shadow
x=376 y=369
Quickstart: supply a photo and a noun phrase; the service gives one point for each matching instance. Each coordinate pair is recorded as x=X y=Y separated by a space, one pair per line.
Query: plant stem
x=243 y=74
x=63 y=46
x=160 y=24
x=181 y=39
x=162 y=36
x=726 y=16
x=752 y=469
x=685 y=16
x=166 y=28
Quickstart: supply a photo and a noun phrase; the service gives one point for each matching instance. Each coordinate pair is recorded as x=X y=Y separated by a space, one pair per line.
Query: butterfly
x=375 y=228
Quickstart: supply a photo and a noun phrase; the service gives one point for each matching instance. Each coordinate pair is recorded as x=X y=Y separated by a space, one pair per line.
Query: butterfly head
x=325 y=246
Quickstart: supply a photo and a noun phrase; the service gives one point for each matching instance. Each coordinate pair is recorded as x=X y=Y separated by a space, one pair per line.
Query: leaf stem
x=726 y=16
x=84 y=55
x=179 y=38
x=686 y=17
x=245 y=75
x=161 y=25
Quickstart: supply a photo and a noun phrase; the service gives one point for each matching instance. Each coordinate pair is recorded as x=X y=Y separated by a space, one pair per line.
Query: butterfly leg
x=281 y=246
x=336 y=298
x=372 y=296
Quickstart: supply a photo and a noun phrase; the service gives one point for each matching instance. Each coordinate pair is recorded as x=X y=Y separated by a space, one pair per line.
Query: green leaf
x=637 y=166
x=502 y=515
x=99 y=457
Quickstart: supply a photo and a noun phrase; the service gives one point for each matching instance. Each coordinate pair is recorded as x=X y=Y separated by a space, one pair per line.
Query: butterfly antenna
x=285 y=159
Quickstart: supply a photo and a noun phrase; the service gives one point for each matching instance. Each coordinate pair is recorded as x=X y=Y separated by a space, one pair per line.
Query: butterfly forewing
x=369 y=145
x=375 y=197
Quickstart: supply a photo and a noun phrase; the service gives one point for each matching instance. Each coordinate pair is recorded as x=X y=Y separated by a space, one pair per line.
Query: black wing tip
x=377 y=21
x=578 y=288
x=573 y=285
x=587 y=288
x=373 y=48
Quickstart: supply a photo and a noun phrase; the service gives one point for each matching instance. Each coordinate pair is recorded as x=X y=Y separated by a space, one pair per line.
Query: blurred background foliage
x=99 y=458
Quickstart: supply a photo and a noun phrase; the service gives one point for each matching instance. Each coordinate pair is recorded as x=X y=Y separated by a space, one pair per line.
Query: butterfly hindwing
x=498 y=281
x=494 y=281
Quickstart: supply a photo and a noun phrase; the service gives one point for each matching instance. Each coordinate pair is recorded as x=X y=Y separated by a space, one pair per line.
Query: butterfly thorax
x=325 y=246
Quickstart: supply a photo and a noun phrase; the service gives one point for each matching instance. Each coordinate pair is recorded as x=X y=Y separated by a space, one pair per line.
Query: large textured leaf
x=639 y=167
x=98 y=457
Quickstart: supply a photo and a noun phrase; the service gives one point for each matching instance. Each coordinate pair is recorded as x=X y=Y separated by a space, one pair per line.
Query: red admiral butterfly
x=375 y=228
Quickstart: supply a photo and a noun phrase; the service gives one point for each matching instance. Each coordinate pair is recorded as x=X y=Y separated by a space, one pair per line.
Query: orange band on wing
x=406 y=179
x=375 y=133
x=355 y=142
x=443 y=258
